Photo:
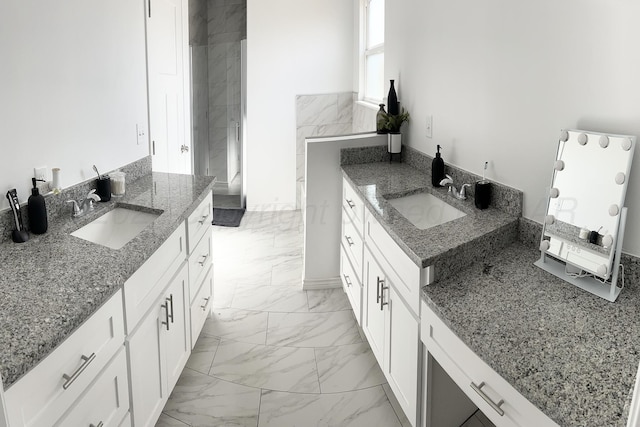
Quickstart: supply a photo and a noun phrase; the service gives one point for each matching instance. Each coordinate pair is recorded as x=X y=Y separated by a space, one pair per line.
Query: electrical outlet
x=429 y=126
x=141 y=131
x=40 y=173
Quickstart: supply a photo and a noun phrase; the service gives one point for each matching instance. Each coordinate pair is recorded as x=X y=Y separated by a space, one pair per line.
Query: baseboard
x=330 y=283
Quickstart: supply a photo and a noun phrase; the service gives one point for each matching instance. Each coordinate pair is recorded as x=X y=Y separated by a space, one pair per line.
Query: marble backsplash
x=56 y=203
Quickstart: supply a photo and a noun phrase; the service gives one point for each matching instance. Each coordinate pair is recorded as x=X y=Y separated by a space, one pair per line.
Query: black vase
x=392 y=101
x=381 y=120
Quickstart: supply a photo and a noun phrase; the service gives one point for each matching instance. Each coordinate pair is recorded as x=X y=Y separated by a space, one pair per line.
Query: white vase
x=394 y=143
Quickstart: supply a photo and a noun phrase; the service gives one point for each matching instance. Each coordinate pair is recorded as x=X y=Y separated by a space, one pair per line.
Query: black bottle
x=437 y=170
x=37 y=211
x=392 y=101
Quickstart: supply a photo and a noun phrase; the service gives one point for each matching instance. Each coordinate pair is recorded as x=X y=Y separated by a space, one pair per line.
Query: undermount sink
x=424 y=210
x=116 y=228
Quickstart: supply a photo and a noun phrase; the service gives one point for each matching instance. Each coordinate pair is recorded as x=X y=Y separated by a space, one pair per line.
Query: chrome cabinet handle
x=204 y=258
x=170 y=301
x=69 y=379
x=349 y=240
x=166 y=313
x=496 y=406
x=350 y=203
x=347 y=280
x=380 y=281
x=206 y=301
x=100 y=424
x=203 y=219
x=382 y=289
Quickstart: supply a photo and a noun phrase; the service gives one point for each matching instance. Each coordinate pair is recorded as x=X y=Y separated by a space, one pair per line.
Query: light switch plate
x=429 y=126
x=40 y=173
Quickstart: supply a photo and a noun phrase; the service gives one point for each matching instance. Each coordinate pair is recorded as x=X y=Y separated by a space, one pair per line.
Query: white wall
x=293 y=47
x=502 y=78
x=73 y=85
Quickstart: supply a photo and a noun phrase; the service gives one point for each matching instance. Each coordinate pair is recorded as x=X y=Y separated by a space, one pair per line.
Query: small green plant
x=394 y=122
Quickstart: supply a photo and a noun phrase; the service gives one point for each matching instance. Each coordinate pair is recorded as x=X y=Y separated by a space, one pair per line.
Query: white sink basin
x=115 y=228
x=424 y=210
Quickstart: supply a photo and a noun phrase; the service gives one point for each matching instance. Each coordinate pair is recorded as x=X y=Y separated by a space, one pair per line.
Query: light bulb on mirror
x=614 y=210
x=604 y=141
x=564 y=136
x=626 y=144
x=602 y=270
x=549 y=219
x=620 y=178
x=559 y=165
x=607 y=240
x=554 y=193
x=582 y=139
x=545 y=245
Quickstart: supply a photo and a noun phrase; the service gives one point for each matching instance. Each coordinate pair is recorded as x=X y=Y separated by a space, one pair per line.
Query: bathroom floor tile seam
x=277 y=341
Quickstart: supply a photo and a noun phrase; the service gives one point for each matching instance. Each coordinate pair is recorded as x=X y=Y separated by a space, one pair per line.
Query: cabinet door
x=176 y=334
x=374 y=313
x=402 y=354
x=148 y=383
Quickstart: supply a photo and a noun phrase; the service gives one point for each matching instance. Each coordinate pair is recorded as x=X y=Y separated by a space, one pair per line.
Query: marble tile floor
x=271 y=354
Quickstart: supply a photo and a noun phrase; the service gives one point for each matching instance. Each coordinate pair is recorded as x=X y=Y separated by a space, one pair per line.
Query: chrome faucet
x=462 y=194
x=86 y=205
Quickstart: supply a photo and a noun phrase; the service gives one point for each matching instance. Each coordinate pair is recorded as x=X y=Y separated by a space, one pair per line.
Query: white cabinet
x=200 y=266
x=158 y=351
x=392 y=331
x=494 y=396
x=47 y=391
x=383 y=287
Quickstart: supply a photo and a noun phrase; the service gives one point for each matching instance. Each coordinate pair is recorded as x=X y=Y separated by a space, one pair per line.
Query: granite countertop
x=570 y=353
x=54 y=282
x=448 y=246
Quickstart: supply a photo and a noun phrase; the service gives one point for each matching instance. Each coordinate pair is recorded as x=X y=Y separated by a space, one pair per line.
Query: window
x=372 y=57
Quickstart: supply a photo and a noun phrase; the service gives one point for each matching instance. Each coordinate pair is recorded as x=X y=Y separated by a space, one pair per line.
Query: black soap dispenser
x=437 y=169
x=37 y=211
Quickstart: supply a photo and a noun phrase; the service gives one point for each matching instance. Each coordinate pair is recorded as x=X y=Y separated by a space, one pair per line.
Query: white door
x=167 y=57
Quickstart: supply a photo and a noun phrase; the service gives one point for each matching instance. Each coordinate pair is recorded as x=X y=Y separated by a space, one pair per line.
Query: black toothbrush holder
x=482 y=194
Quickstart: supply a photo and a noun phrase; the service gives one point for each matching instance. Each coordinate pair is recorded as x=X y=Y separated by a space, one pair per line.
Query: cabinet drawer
x=200 y=221
x=106 y=402
x=146 y=284
x=352 y=285
x=352 y=243
x=353 y=205
x=476 y=379
x=402 y=271
x=201 y=306
x=199 y=263
x=52 y=386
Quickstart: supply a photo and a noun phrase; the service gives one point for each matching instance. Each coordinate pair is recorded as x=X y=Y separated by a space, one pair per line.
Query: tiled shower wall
x=325 y=115
x=227 y=25
x=199 y=44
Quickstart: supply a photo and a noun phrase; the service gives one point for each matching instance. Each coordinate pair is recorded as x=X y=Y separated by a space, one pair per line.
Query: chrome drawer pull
x=204 y=306
x=347 y=280
x=100 y=424
x=496 y=406
x=350 y=203
x=170 y=300
x=204 y=259
x=71 y=378
x=380 y=281
x=166 y=313
x=382 y=289
x=203 y=219
x=349 y=240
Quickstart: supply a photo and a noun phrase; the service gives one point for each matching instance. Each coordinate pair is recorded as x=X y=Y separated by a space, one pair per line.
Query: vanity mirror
x=585 y=218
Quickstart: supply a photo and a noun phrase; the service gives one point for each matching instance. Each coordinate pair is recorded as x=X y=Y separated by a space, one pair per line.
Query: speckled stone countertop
x=54 y=282
x=449 y=246
x=570 y=353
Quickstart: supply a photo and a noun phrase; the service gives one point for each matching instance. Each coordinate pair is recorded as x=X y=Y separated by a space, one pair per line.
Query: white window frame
x=364 y=53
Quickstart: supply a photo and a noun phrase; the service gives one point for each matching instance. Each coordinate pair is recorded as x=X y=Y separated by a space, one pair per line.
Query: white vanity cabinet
x=351 y=248
x=383 y=287
x=158 y=350
x=491 y=393
x=200 y=266
x=75 y=373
